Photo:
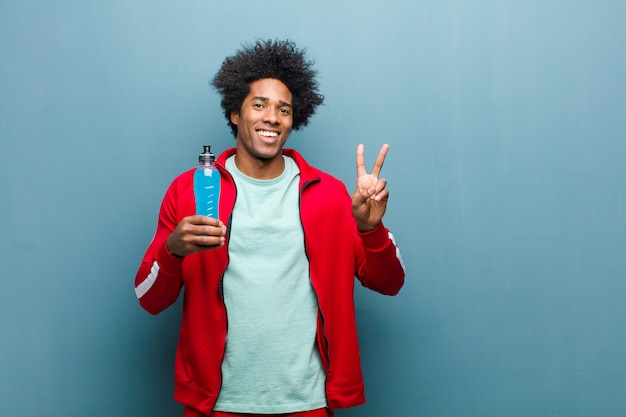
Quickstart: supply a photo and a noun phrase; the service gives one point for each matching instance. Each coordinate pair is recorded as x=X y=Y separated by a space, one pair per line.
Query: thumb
x=360 y=196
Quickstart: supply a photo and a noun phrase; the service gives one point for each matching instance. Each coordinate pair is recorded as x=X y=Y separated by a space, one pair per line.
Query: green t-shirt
x=271 y=364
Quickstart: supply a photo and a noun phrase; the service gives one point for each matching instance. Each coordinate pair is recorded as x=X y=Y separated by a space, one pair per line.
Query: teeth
x=268 y=134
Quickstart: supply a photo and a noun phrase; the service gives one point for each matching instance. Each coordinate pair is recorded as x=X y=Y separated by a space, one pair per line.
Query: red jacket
x=336 y=251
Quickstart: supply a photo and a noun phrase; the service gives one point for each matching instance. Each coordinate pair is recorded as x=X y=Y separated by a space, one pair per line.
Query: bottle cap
x=206 y=156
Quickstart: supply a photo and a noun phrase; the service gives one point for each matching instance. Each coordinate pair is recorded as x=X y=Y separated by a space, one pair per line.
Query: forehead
x=271 y=89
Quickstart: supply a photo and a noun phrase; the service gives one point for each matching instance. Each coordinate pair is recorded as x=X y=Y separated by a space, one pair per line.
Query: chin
x=269 y=152
x=266 y=157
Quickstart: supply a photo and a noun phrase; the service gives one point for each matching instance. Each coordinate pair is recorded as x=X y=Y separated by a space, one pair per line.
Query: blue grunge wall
x=507 y=129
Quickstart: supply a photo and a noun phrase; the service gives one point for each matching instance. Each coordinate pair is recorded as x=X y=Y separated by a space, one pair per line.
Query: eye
x=284 y=111
x=258 y=105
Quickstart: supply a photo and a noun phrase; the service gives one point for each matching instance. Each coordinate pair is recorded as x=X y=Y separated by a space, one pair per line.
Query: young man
x=268 y=313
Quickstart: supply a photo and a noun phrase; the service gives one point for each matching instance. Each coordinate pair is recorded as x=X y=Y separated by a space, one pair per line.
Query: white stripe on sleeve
x=145 y=286
x=397 y=252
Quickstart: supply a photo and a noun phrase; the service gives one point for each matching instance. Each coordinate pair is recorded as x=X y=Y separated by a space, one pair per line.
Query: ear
x=234 y=118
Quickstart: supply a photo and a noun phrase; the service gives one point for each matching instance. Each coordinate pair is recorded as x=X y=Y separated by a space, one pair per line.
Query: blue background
x=506 y=171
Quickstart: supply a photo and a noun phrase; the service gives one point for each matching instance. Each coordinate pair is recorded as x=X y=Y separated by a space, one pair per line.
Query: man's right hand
x=196 y=233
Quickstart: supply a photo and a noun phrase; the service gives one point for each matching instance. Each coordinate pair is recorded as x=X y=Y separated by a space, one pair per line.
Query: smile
x=268 y=134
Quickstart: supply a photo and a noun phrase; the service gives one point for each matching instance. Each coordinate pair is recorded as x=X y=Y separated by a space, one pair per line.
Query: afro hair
x=278 y=59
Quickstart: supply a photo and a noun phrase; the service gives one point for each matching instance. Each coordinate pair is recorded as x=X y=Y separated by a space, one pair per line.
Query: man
x=268 y=322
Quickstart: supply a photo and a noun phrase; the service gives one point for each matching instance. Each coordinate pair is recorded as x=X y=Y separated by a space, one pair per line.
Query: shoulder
x=183 y=179
x=314 y=175
x=328 y=191
x=328 y=180
x=180 y=186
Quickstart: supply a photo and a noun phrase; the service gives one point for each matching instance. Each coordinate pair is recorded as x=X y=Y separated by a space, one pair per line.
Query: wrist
x=366 y=227
x=172 y=252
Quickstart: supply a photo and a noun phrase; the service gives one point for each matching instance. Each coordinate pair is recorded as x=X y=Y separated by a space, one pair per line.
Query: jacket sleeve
x=379 y=265
x=159 y=279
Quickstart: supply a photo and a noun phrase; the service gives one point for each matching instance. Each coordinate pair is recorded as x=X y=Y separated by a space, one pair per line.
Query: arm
x=379 y=265
x=159 y=279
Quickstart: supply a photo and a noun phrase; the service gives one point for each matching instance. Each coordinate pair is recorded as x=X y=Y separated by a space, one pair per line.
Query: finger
x=203 y=220
x=209 y=231
x=380 y=160
x=209 y=240
x=380 y=186
x=359 y=198
x=382 y=196
x=360 y=161
x=379 y=192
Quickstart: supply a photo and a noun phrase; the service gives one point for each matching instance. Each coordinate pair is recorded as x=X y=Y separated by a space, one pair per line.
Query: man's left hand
x=369 y=200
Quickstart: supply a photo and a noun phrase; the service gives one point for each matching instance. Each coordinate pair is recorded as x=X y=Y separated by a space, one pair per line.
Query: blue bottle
x=206 y=185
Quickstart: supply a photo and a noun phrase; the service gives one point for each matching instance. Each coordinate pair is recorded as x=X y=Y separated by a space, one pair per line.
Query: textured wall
x=506 y=171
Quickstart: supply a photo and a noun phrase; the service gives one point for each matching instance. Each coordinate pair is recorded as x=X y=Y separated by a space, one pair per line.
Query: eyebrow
x=265 y=100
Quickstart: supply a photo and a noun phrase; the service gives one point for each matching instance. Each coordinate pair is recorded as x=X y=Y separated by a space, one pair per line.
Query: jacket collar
x=307 y=172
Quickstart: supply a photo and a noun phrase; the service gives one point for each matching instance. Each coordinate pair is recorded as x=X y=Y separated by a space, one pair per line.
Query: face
x=263 y=123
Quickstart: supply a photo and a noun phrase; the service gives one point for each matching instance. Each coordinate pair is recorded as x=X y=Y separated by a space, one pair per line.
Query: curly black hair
x=278 y=59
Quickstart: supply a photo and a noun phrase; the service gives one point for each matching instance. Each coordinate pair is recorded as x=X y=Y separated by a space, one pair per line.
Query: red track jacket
x=336 y=251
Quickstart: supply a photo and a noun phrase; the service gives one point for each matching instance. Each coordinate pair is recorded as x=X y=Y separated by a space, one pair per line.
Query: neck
x=261 y=169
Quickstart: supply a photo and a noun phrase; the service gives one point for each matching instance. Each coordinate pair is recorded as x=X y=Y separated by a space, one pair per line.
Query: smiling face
x=263 y=126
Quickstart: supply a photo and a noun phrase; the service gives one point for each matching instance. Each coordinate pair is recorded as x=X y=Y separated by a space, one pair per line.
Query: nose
x=271 y=115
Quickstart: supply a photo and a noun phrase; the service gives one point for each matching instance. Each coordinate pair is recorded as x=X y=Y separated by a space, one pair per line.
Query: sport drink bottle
x=206 y=185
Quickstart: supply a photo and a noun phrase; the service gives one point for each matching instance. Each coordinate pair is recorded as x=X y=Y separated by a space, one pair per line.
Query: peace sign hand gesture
x=369 y=200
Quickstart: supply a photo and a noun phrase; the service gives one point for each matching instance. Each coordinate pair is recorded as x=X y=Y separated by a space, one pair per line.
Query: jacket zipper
x=322 y=327
x=221 y=284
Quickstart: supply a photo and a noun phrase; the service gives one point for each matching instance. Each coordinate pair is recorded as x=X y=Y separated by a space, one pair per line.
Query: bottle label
x=206 y=187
